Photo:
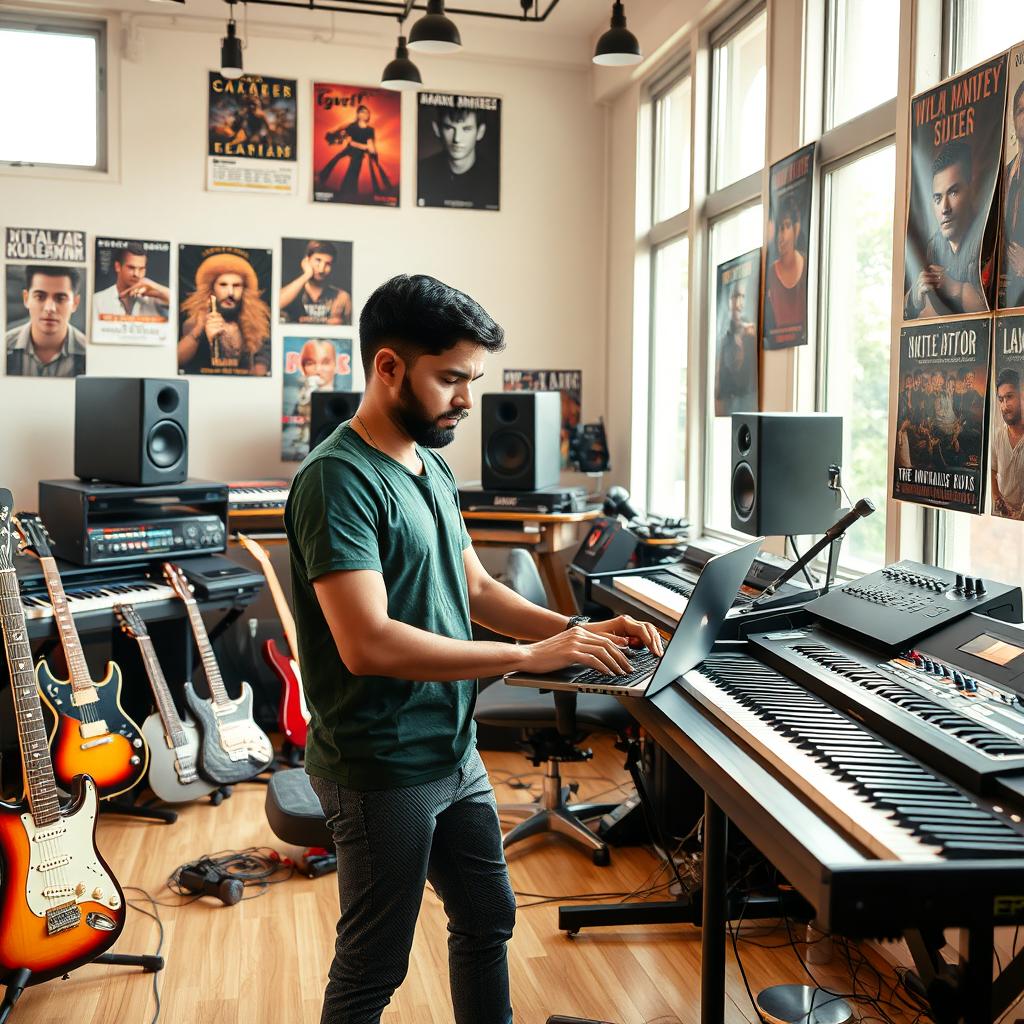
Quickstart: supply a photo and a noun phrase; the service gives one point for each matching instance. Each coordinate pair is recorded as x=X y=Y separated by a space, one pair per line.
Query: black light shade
x=435 y=32
x=231 y=54
x=618 y=47
x=401 y=73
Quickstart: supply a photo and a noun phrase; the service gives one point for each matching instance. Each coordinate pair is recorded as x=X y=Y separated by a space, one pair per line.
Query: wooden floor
x=264 y=961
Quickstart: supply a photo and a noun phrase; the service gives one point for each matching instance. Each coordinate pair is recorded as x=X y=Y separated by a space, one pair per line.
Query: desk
x=544 y=535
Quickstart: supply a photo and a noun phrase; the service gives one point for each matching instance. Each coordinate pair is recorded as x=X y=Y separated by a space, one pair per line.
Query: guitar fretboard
x=209 y=659
x=164 y=701
x=77 y=667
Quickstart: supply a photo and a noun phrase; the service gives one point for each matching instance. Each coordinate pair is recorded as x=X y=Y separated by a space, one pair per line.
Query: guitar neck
x=37 y=768
x=284 y=613
x=213 y=676
x=81 y=681
x=164 y=701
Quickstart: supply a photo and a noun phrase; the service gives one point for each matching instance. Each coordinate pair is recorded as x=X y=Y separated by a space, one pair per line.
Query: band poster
x=310 y=364
x=131 y=292
x=316 y=282
x=569 y=383
x=458 y=160
x=46 y=310
x=224 y=310
x=253 y=131
x=1006 y=450
x=790 y=185
x=955 y=153
x=737 y=293
x=1011 y=263
x=357 y=142
x=941 y=421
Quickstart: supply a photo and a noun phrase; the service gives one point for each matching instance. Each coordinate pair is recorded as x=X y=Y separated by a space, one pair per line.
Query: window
x=73 y=55
x=985 y=546
x=864 y=55
x=982 y=28
x=672 y=160
x=856 y=316
x=738 y=113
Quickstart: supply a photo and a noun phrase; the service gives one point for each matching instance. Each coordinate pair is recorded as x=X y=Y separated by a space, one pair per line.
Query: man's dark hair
x=1008 y=376
x=71 y=273
x=420 y=315
x=953 y=153
x=131 y=249
x=457 y=114
x=789 y=207
x=361 y=108
x=1017 y=96
x=327 y=248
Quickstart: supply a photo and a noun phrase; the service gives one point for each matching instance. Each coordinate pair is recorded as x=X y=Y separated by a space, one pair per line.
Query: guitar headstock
x=131 y=621
x=178 y=581
x=8 y=540
x=254 y=549
x=35 y=538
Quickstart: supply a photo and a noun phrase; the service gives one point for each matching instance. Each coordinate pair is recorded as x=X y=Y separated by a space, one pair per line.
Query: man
x=736 y=369
x=310 y=299
x=952 y=280
x=386 y=585
x=463 y=173
x=1013 y=213
x=227 y=325
x=785 y=306
x=48 y=345
x=132 y=294
x=1007 y=450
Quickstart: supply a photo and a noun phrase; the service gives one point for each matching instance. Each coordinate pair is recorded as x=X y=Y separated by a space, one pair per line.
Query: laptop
x=690 y=643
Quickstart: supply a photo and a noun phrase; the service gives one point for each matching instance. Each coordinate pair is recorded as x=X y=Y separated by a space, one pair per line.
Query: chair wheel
x=216 y=798
x=603 y=857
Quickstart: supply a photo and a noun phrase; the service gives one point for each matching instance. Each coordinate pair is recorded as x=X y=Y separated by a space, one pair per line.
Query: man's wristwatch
x=577 y=620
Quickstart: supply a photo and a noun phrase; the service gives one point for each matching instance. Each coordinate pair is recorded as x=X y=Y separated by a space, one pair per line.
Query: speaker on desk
x=521 y=440
x=328 y=410
x=131 y=430
x=780 y=472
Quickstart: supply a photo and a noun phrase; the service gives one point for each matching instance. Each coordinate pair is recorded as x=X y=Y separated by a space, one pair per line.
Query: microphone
x=616 y=502
x=861 y=510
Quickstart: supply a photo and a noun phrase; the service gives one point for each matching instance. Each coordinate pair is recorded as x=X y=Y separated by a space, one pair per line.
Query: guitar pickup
x=89 y=729
x=103 y=740
x=82 y=697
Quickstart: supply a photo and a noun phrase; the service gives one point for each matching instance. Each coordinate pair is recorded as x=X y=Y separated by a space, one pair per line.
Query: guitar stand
x=217 y=797
x=168 y=817
x=16 y=982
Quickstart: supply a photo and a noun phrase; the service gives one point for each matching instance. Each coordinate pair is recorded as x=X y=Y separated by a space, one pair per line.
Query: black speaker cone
x=508 y=411
x=743 y=439
x=168 y=399
x=165 y=444
x=509 y=453
x=744 y=490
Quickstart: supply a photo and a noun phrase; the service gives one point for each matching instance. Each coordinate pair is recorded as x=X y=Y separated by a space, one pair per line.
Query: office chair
x=552 y=726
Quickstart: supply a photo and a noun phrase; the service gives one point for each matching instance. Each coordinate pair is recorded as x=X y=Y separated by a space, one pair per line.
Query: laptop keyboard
x=641 y=659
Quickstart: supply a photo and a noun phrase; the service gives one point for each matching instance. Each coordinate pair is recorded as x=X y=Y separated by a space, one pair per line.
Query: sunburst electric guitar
x=91 y=734
x=292 y=713
x=60 y=905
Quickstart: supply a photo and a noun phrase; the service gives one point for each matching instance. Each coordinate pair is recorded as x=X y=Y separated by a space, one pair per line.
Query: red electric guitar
x=292 y=714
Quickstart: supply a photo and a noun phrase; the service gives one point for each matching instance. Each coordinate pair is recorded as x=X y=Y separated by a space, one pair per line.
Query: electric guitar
x=91 y=733
x=173 y=740
x=233 y=748
x=292 y=713
x=60 y=906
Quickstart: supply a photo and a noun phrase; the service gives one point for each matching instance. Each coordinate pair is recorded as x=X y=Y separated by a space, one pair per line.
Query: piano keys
x=257 y=495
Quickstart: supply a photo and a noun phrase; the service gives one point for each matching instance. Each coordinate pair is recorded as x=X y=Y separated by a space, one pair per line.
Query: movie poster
x=131 y=298
x=46 y=309
x=737 y=298
x=458 y=160
x=253 y=130
x=1011 y=263
x=941 y=421
x=1006 y=445
x=955 y=146
x=789 y=228
x=310 y=364
x=316 y=281
x=224 y=310
x=568 y=382
x=357 y=144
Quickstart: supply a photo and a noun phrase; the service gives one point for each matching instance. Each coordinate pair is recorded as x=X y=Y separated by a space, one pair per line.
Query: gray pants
x=389 y=843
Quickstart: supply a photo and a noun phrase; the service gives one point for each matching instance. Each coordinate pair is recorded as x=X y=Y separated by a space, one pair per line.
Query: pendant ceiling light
x=401 y=73
x=231 y=49
x=435 y=32
x=618 y=47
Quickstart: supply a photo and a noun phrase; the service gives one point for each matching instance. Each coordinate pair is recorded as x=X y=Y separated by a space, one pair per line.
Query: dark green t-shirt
x=353 y=507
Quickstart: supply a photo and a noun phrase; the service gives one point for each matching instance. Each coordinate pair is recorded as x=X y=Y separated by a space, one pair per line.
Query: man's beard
x=230 y=313
x=423 y=429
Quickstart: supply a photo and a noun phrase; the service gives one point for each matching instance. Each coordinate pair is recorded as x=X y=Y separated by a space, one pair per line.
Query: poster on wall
x=357 y=141
x=458 y=159
x=789 y=226
x=940 y=421
x=131 y=297
x=252 y=133
x=223 y=310
x=310 y=364
x=955 y=151
x=1006 y=447
x=316 y=281
x=46 y=312
x=1011 y=263
x=568 y=382
x=737 y=294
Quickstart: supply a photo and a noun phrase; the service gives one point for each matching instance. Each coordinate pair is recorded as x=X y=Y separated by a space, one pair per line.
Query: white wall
x=538 y=265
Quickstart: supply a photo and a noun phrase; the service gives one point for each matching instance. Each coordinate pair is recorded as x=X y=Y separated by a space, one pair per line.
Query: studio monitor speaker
x=131 y=430
x=521 y=440
x=780 y=472
x=329 y=409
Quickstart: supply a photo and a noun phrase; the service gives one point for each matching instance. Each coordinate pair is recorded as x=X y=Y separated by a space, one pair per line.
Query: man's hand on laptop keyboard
x=626 y=628
x=580 y=645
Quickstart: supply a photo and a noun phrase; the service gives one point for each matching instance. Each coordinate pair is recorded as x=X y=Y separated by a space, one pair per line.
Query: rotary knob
x=113 y=901
x=97 y=893
x=80 y=889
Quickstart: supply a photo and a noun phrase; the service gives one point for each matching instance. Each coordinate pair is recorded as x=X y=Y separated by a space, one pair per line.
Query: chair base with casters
x=296 y=817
